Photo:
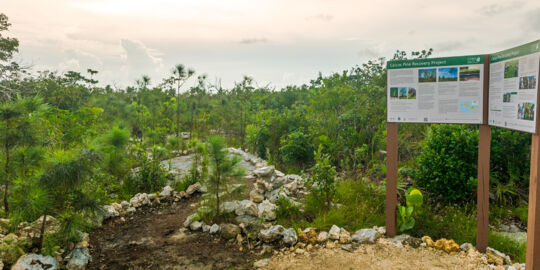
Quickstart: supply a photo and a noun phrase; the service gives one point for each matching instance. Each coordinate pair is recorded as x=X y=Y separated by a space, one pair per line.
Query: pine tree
x=224 y=168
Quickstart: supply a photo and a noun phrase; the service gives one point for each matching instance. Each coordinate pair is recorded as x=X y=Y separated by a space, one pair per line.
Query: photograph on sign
x=438 y=90
x=513 y=87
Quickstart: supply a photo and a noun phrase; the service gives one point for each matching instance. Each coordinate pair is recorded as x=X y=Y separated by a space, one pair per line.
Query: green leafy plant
x=414 y=199
x=323 y=177
x=447 y=163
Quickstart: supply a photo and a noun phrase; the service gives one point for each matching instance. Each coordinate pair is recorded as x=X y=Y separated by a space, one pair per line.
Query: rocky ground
x=164 y=231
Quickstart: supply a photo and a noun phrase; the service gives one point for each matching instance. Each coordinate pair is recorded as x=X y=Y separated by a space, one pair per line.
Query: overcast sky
x=279 y=42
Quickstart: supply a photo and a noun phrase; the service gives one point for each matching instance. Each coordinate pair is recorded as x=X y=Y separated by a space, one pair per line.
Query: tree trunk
x=178 y=110
x=42 y=232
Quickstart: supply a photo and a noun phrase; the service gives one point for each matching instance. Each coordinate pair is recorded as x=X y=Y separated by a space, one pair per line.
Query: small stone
x=467 y=246
x=264 y=171
x=247 y=207
x=35 y=262
x=261 y=263
x=205 y=228
x=272 y=234
x=496 y=257
x=195 y=226
x=348 y=247
x=299 y=251
x=168 y=191
x=429 y=242
x=79 y=259
x=330 y=245
x=190 y=219
x=366 y=236
x=323 y=236
x=255 y=196
x=267 y=210
x=344 y=237
x=214 y=229
x=229 y=231
x=334 y=232
x=289 y=236
x=193 y=188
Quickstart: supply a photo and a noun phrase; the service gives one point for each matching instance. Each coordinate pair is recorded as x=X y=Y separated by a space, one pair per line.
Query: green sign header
x=436 y=62
x=529 y=48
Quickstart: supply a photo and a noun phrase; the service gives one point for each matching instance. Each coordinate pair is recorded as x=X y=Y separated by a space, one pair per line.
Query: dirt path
x=150 y=239
x=378 y=256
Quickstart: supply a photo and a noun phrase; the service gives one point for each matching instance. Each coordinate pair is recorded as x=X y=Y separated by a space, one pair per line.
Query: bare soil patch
x=149 y=239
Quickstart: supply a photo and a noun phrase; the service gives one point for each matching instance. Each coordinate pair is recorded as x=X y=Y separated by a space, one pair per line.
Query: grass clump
x=508 y=245
x=358 y=205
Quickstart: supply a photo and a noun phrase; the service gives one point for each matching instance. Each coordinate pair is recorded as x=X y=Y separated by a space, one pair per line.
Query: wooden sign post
x=484 y=149
x=391 y=177
x=533 y=225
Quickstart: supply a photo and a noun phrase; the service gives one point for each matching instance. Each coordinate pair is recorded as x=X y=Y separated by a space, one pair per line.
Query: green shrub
x=522 y=213
x=447 y=163
x=510 y=151
x=323 y=178
x=296 y=149
x=149 y=177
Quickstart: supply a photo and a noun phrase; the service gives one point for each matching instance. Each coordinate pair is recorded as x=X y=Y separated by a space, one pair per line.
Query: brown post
x=533 y=226
x=391 y=177
x=483 y=188
x=484 y=145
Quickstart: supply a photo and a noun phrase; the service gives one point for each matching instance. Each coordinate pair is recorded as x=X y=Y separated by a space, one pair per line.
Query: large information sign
x=513 y=87
x=438 y=90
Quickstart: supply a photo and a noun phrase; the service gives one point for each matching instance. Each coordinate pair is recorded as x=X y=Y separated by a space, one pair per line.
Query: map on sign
x=438 y=90
x=513 y=87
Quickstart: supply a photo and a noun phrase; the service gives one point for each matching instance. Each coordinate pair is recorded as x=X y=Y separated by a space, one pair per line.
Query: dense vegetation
x=68 y=145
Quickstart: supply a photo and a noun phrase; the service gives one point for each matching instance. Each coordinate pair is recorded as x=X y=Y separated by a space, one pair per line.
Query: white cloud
x=140 y=60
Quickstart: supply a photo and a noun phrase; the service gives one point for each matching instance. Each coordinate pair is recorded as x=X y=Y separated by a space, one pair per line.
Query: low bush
x=447 y=163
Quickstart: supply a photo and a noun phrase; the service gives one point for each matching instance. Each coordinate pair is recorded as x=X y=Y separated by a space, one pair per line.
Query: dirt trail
x=378 y=256
x=149 y=239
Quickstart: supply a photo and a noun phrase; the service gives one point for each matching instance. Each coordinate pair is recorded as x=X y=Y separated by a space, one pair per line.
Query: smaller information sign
x=513 y=87
x=438 y=90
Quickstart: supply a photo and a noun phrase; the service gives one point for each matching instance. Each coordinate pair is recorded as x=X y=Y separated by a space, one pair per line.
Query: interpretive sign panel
x=437 y=90
x=513 y=87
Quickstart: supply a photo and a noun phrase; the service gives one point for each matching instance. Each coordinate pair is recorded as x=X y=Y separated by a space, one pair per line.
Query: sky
x=277 y=42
